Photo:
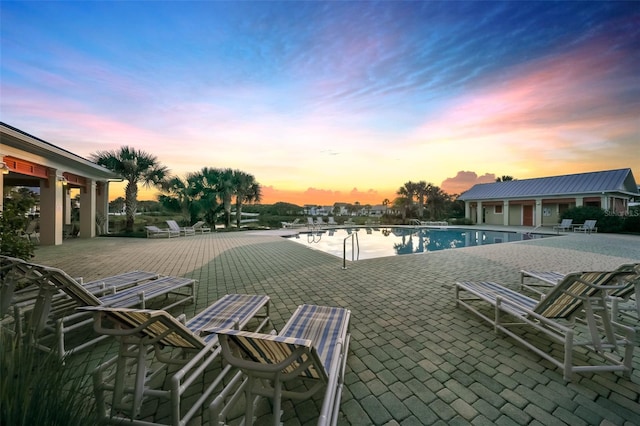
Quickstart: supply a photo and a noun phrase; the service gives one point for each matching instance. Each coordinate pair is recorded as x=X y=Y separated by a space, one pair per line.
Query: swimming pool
x=392 y=241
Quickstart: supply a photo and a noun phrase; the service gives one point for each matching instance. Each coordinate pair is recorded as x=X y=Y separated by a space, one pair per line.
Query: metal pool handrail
x=354 y=237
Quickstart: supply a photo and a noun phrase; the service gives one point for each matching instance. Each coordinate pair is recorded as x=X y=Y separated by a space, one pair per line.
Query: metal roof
x=618 y=181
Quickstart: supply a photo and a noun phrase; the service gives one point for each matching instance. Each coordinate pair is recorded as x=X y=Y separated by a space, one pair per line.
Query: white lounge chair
x=556 y=317
x=50 y=323
x=564 y=226
x=293 y=224
x=199 y=226
x=185 y=351
x=154 y=231
x=181 y=230
x=312 y=347
x=589 y=226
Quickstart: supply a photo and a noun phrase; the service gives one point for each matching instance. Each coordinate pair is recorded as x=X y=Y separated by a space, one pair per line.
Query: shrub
x=631 y=224
x=13 y=220
x=38 y=389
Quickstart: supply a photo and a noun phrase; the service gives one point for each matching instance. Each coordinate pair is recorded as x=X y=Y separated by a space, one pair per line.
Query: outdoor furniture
x=154 y=231
x=589 y=226
x=293 y=224
x=332 y=221
x=181 y=230
x=557 y=316
x=50 y=323
x=199 y=226
x=312 y=347
x=565 y=225
x=186 y=352
x=548 y=279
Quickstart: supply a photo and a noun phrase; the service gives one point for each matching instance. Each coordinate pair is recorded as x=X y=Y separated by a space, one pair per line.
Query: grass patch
x=36 y=388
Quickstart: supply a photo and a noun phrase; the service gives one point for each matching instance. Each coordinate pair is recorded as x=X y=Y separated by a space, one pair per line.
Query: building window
x=497 y=209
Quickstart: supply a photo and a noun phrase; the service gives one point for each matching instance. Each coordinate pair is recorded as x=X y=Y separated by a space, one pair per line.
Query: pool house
x=541 y=201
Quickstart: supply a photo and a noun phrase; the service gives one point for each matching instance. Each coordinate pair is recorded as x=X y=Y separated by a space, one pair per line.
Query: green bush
x=13 y=220
x=631 y=224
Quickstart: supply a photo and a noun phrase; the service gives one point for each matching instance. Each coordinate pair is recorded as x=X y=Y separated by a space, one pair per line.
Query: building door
x=527 y=215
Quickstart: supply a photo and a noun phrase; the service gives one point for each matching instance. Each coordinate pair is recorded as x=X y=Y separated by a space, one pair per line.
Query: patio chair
x=563 y=226
x=312 y=347
x=200 y=226
x=25 y=298
x=123 y=383
x=293 y=224
x=320 y=221
x=181 y=230
x=557 y=316
x=50 y=321
x=548 y=279
x=588 y=226
x=154 y=231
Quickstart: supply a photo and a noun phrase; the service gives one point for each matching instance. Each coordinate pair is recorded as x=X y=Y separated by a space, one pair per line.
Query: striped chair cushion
x=312 y=331
x=133 y=295
x=566 y=298
x=230 y=311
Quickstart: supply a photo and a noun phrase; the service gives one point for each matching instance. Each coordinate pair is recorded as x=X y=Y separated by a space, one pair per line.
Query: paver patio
x=415 y=358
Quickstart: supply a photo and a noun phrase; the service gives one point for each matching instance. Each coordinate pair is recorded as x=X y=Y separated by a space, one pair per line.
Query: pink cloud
x=464 y=180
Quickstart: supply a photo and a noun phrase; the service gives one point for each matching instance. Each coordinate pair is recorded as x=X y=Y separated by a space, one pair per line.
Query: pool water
x=393 y=241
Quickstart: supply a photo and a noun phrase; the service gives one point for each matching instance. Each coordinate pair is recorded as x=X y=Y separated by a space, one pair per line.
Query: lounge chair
x=557 y=316
x=154 y=231
x=31 y=233
x=181 y=230
x=320 y=222
x=588 y=226
x=312 y=347
x=310 y=223
x=564 y=226
x=55 y=321
x=201 y=227
x=332 y=221
x=124 y=382
x=293 y=224
x=545 y=280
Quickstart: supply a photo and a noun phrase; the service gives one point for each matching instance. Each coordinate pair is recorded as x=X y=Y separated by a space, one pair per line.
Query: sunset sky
x=329 y=102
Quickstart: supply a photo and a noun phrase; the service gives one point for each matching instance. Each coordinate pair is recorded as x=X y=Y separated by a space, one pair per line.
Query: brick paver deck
x=415 y=358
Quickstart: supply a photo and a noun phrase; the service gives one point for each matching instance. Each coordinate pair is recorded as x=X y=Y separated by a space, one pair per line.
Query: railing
x=355 y=248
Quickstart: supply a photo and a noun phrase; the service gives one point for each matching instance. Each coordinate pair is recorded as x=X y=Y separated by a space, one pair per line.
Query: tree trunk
x=131 y=204
x=227 y=212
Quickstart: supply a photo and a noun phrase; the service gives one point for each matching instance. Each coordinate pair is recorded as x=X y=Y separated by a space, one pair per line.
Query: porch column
x=88 y=210
x=51 y=209
x=467 y=210
x=505 y=213
x=479 y=214
x=102 y=206
x=538 y=213
x=1 y=191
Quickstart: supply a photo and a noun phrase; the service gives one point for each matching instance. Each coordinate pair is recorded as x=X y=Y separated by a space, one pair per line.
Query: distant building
x=541 y=201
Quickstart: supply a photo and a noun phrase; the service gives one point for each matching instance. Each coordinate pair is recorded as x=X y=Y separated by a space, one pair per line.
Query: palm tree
x=505 y=178
x=407 y=192
x=135 y=167
x=180 y=199
x=203 y=186
x=247 y=190
x=421 y=189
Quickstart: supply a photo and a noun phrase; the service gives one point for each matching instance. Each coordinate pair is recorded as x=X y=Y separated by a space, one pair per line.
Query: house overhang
x=553 y=196
x=18 y=142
